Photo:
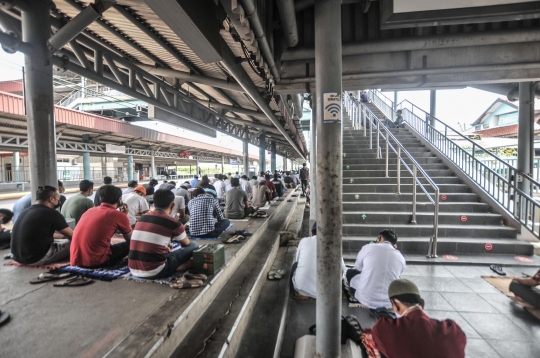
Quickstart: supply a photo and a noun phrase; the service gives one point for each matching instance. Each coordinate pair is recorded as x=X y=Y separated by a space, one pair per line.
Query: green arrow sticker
x=357 y=196
x=364 y=216
x=351 y=181
x=344 y=155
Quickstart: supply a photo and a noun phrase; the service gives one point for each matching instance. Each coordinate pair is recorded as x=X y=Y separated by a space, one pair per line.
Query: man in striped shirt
x=150 y=254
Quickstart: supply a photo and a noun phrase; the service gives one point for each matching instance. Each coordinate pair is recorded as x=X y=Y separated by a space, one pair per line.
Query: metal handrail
x=359 y=112
x=502 y=188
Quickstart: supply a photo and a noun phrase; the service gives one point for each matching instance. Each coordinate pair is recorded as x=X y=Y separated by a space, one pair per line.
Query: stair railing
x=360 y=114
x=504 y=183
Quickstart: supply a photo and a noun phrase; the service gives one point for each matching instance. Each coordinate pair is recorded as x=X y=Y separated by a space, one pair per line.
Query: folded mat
x=503 y=285
x=191 y=237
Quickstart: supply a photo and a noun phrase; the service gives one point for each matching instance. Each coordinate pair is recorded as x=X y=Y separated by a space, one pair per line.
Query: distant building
x=501 y=120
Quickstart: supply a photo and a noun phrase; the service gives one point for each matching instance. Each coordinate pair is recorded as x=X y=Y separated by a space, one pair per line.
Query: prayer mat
x=161 y=281
x=52 y=266
x=103 y=274
x=191 y=237
x=503 y=285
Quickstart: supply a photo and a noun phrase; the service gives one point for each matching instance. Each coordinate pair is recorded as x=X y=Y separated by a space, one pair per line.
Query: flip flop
x=183 y=282
x=279 y=274
x=261 y=214
x=194 y=275
x=49 y=276
x=497 y=269
x=271 y=275
x=232 y=240
x=74 y=282
x=4 y=318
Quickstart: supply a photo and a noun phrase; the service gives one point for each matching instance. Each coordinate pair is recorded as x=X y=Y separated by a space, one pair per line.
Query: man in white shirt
x=245 y=185
x=220 y=187
x=136 y=203
x=376 y=266
x=304 y=270
x=179 y=210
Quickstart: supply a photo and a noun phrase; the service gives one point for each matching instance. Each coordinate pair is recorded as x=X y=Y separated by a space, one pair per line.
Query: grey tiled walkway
x=495 y=326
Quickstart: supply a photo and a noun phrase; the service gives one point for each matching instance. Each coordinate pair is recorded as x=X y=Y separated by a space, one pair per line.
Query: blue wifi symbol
x=333 y=108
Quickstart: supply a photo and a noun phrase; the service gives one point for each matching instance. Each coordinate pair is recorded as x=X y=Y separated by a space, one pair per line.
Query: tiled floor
x=495 y=326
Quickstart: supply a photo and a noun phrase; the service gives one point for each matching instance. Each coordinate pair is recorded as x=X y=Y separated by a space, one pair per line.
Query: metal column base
x=305 y=348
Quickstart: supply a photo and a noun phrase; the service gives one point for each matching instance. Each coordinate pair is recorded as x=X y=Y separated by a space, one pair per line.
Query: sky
x=456 y=107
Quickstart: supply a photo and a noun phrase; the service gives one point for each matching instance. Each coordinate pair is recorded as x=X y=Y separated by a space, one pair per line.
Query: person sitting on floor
x=132 y=184
x=150 y=187
x=26 y=201
x=253 y=182
x=183 y=192
x=5 y=235
x=524 y=288
x=136 y=204
x=245 y=185
x=208 y=188
x=376 y=266
x=270 y=186
x=97 y=198
x=304 y=270
x=179 y=210
x=236 y=202
x=414 y=334
x=77 y=205
x=278 y=184
x=202 y=209
x=261 y=194
x=150 y=254
x=194 y=181
x=91 y=245
x=33 y=238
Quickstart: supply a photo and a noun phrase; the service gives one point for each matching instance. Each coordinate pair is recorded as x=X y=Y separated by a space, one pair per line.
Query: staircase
x=371 y=204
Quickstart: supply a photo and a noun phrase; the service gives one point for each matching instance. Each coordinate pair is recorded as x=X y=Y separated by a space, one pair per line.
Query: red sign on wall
x=184 y=154
x=489 y=247
x=464 y=218
x=443 y=197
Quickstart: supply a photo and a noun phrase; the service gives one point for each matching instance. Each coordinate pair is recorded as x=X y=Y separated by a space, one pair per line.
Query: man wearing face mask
x=33 y=238
x=414 y=334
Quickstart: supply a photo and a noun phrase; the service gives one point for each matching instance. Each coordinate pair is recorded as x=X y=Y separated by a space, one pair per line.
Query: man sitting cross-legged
x=414 y=334
x=91 y=246
x=150 y=254
x=33 y=238
x=202 y=209
x=524 y=288
x=136 y=204
x=236 y=202
x=376 y=266
x=78 y=204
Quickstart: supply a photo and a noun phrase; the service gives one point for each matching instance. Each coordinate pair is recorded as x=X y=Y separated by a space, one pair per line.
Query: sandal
x=261 y=214
x=49 y=276
x=183 y=282
x=4 y=318
x=279 y=274
x=233 y=240
x=271 y=275
x=497 y=269
x=74 y=282
x=194 y=275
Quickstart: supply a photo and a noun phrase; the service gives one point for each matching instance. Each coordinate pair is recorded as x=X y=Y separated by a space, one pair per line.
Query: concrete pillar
x=432 y=107
x=86 y=165
x=395 y=100
x=525 y=132
x=313 y=163
x=246 y=150
x=130 y=167
x=273 y=157
x=328 y=72
x=284 y=164
x=197 y=165
x=222 y=164
x=153 y=173
x=262 y=152
x=16 y=167
x=38 y=77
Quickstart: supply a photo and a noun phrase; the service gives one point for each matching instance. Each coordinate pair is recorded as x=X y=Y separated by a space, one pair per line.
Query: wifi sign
x=332 y=107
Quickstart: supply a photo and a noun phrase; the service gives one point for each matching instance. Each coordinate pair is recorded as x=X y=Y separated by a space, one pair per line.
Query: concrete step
x=407 y=197
x=392 y=160
x=453 y=207
x=404 y=188
x=373 y=155
x=411 y=230
x=392 y=217
x=445 y=246
x=348 y=174
x=350 y=141
x=404 y=180
x=358 y=150
x=427 y=166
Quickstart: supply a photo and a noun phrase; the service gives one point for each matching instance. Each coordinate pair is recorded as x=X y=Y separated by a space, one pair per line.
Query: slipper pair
x=241 y=232
x=190 y=279
x=236 y=239
x=70 y=282
x=260 y=214
x=275 y=274
x=497 y=269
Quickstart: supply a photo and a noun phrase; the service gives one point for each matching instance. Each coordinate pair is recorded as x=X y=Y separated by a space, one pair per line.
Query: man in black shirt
x=97 y=197
x=150 y=186
x=33 y=238
x=304 y=178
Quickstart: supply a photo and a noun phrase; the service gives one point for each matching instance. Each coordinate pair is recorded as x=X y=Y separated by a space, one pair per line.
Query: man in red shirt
x=413 y=334
x=270 y=186
x=91 y=244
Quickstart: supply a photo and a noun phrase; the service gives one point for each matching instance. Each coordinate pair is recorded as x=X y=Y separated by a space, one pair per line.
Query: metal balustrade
x=363 y=117
x=496 y=176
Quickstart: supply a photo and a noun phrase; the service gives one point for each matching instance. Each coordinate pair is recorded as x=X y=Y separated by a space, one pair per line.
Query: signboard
x=463 y=219
x=489 y=247
x=184 y=155
x=111 y=148
x=234 y=161
x=332 y=107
